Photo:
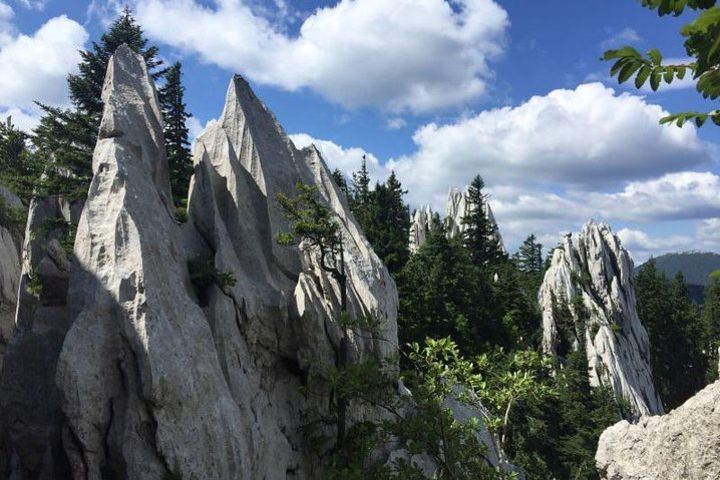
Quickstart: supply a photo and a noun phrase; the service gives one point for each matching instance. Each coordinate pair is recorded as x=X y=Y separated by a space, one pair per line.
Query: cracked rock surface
x=122 y=368
x=684 y=444
x=591 y=275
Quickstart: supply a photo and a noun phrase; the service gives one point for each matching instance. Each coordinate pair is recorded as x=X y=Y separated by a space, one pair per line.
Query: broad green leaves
x=677 y=7
x=629 y=62
x=702 y=44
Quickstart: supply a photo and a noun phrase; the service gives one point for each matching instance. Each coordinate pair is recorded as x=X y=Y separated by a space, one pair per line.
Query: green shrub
x=204 y=274
x=12 y=218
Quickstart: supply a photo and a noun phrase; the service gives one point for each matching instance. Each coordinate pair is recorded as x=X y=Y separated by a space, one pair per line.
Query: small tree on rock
x=315 y=226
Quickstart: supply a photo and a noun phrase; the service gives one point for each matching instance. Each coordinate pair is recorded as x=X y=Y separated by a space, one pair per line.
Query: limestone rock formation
x=458 y=208
x=684 y=444
x=30 y=413
x=590 y=278
x=10 y=251
x=455 y=210
x=421 y=224
x=124 y=367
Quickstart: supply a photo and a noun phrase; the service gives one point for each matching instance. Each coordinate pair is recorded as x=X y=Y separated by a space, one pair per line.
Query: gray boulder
x=684 y=444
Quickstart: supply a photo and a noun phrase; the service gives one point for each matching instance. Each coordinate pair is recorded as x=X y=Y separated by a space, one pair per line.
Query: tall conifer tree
x=176 y=134
x=711 y=323
x=68 y=137
x=480 y=235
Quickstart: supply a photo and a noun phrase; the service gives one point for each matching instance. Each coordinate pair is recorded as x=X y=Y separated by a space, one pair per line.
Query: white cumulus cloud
x=589 y=136
x=399 y=55
x=556 y=160
x=34 y=67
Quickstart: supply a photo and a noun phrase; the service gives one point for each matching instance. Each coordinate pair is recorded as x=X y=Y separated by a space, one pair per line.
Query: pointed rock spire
x=141 y=382
x=590 y=275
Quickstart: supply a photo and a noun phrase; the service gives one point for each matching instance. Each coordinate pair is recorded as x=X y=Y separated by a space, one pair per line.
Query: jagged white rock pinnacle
x=591 y=273
x=457 y=208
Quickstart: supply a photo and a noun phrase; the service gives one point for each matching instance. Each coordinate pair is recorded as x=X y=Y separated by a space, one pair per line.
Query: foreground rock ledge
x=684 y=444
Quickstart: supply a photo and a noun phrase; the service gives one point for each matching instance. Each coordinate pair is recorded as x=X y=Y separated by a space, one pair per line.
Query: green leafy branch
x=677 y=7
x=650 y=69
x=702 y=44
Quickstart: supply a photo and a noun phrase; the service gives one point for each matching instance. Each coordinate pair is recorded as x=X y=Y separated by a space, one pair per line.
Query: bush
x=12 y=218
x=204 y=274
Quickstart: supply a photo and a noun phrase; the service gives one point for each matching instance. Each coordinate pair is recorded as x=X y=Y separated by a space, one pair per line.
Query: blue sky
x=437 y=90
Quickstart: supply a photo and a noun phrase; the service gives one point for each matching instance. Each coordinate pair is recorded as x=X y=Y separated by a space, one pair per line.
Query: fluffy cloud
x=395 y=54
x=347 y=160
x=557 y=160
x=704 y=236
x=34 y=67
x=33 y=4
x=589 y=137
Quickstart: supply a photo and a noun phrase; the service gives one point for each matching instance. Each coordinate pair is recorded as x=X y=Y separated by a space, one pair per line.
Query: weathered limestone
x=10 y=251
x=684 y=444
x=142 y=388
x=591 y=276
x=124 y=368
x=421 y=224
x=276 y=325
x=29 y=399
x=456 y=209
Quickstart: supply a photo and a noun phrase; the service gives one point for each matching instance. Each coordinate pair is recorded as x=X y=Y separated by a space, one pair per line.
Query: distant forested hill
x=696 y=266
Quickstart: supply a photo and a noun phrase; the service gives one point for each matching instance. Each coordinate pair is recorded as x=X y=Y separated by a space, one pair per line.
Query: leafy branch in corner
x=702 y=44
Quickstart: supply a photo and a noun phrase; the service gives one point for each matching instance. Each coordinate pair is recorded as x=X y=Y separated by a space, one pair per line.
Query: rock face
x=458 y=208
x=421 y=224
x=455 y=210
x=30 y=412
x=685 y=443
x=590 y=278
x=123 y=367
x=10 y=251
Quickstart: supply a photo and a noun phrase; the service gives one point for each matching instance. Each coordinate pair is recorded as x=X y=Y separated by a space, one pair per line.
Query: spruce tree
x=341 y=182
x=442 y=295
x=66 y=138
x=19 y=167
x=480 y=235
x=584 y=413
x=361 y=186
x=386 y=222
x=673 y=325
x=711 y=324
x=176 y=134
x=529 y=257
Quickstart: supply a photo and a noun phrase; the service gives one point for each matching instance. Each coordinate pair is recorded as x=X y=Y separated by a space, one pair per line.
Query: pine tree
x=442 y=295
x=176 y=134
x=673 y=325
x=68 y=137
x=341 y=182
x=711 y=324
x=386 y=222
x=480 y=235
x=584 y=413
x=19 y=167
x=529 y=257
x=361 y=186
